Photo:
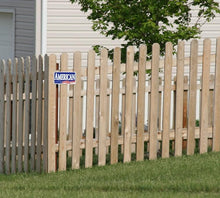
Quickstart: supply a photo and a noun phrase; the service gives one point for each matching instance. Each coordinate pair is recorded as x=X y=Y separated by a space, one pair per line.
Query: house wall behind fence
x=24 y=25
x=29 y=110
x=209 y=30
x=69 y=30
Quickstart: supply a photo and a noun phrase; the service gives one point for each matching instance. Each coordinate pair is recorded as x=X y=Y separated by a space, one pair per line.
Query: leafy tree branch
x=148 y=21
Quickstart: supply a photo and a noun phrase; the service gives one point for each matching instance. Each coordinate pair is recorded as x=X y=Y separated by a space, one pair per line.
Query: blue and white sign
x=64 y=77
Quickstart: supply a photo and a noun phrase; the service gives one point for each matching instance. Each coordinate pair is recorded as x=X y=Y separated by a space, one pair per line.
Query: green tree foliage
x=148 y=21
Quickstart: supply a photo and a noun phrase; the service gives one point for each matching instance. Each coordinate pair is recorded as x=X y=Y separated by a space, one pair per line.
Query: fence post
x=154 y=101
x=211 y=103
x=134 y=116
x=33 y=110
x=128 y=103
x=216 y=123
x=27 y=113
x=45 y=139
x=14 y=118
x=205 y=96
x=167 y=99
x=77 y=113
x=63 y=116
x=97 y=101
x=20 y=112
x=185 y=105
x=115 y=105
x=90 y=108
x=51 y=114
x=2 y=112
x=70 y=116
x=159 y=119
x=141 y=102
x=108 y=106
x=192 y=98
x=39 y=113
x=8 y=114
x=123 y=114
x=103 y=108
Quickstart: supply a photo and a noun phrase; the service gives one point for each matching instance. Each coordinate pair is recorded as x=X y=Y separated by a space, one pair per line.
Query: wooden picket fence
x=23 y=115
x=110 y=112
x=107 y=97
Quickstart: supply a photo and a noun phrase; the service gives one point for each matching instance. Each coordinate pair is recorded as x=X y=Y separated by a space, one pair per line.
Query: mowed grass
x=187 y=176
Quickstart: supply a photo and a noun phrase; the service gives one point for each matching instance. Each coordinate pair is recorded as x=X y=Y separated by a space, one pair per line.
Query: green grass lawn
x=187 y=176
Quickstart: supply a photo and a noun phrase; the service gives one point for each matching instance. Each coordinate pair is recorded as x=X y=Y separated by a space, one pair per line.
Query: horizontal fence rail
x=113 y=113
